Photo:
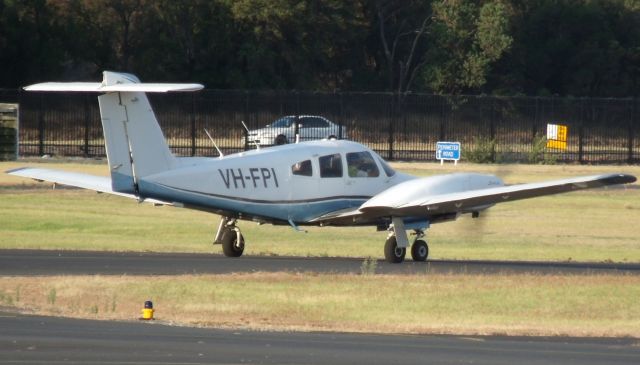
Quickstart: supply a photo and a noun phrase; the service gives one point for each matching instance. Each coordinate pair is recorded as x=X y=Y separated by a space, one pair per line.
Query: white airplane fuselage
x=261 y=185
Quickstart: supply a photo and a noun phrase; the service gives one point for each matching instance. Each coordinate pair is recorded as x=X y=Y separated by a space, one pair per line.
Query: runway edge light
x=147 y=311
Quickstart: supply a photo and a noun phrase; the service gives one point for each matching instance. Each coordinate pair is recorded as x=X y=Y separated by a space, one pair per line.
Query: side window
x=313 y=122
x=302 y=168
x=362 y=164
x=306 y=122
x=319 y=123
x=331 y=166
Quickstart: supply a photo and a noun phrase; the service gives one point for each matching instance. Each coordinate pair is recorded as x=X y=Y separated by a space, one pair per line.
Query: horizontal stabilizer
x=91 y=182
x=101 y=88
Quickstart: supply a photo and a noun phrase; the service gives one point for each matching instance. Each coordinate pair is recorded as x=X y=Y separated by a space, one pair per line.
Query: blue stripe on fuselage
x=299 y=211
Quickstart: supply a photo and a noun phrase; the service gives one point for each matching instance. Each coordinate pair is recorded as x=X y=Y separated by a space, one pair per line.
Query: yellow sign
x=557 y=136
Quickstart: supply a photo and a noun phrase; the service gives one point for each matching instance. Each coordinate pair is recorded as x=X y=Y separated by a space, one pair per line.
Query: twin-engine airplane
x=323 y=183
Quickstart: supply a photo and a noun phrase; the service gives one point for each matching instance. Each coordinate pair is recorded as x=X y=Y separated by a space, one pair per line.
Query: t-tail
x=134 y=141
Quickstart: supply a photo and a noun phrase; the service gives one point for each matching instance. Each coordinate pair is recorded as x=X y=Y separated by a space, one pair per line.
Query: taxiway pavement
x=51 y=262
x=29 y=339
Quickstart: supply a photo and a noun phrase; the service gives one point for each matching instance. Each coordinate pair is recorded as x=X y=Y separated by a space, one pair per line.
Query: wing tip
x=617 y=179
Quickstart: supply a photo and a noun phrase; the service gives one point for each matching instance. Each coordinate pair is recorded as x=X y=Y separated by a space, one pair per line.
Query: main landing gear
x=395 y=254
x=229 y=237
x=395 y=248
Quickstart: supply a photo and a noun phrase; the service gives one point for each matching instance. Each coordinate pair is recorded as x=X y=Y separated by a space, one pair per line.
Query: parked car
x=284 y=130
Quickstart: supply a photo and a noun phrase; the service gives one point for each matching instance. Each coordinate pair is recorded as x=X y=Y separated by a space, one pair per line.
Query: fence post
x=631 y=135
x=341 y=123
x=245 y=116
x=296 y=119
x=581 y=133
x=392 y=122
x=492 y=128
x=193 y=124
x=442 y=137
x=41 y=127
x=86 y=125
x=536 y=117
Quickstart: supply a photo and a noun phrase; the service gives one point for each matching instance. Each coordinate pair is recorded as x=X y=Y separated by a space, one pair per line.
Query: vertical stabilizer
x=134 y=141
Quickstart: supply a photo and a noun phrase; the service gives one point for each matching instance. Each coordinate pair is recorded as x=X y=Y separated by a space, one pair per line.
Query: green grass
x=600 y=305
x=598 y=225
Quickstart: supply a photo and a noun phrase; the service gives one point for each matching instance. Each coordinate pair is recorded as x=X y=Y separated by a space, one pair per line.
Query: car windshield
x=282 y=123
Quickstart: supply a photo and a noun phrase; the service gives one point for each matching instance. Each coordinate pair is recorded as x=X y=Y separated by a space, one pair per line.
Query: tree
x=580 y=48
x=402 y=26
x=467 y=38
x=32 y=42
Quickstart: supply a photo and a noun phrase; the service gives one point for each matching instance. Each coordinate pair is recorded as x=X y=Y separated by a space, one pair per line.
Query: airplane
x=319 y=183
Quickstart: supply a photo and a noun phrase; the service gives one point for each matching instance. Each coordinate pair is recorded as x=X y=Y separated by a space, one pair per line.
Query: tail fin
x=134 y=141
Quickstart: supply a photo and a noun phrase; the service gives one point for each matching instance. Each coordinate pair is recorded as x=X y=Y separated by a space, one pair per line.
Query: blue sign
x=448 y=151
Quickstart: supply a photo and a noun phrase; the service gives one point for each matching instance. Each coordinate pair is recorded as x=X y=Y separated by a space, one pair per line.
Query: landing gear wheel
x=281 y=140
x=393 y=253
x=419 y=250
x=232 y=243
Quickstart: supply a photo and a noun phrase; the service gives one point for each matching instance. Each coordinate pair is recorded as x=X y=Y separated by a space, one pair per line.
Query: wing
x=393 y=202
x=100 y=184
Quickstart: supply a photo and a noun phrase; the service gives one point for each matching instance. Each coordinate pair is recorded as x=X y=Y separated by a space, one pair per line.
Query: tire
x=392 y=253
x=419 y=251
x=232 y=243
x=332 y=138
x=280 y=140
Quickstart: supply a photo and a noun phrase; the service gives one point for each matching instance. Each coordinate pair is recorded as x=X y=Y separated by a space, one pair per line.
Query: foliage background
x=507 y=47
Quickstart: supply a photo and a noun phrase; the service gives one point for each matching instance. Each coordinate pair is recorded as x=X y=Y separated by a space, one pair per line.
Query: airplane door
x=304 y=188
x=332 y=181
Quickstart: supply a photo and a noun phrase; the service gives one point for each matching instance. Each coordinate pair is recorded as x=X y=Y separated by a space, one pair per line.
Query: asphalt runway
x=41 y=262
x=27 y=339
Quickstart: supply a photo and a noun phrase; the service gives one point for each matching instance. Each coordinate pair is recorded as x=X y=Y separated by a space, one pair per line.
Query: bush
x=483 y=151
x=539 y=153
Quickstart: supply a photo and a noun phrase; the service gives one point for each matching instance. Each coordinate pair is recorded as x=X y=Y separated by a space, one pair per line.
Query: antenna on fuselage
x=214 y=143
x=247 y=129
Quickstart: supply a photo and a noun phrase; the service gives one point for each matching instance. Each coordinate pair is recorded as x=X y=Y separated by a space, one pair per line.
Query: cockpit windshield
x=388 y=170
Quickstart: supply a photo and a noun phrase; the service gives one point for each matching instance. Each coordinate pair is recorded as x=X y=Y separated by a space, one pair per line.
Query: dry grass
x=462 y=304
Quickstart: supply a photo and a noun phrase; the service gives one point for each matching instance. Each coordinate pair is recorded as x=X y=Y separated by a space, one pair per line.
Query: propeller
x=473 y=227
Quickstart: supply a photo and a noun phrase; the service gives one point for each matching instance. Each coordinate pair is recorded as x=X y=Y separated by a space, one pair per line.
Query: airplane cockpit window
x=302 y=168
x=330 y=165
x=362 y=164
x=385 y=166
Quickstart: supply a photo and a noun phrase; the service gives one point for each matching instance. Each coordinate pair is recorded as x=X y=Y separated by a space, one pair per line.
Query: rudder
x=134 y=141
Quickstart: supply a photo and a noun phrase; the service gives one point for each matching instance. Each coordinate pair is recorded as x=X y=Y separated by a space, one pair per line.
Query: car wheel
x=280 y=140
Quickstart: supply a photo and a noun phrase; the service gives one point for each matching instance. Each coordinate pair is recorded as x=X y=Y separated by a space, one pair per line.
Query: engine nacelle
x=422 y=189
